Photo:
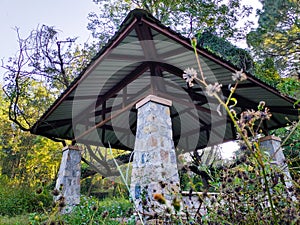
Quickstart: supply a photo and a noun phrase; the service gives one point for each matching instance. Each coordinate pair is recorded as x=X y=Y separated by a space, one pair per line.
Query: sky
x=69 y=16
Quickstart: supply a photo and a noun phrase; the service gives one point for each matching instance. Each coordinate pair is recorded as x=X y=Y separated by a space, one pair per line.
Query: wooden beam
x=139 y=70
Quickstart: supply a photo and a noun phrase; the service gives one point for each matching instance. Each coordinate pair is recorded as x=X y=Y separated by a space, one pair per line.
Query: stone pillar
x=272 y=145
x=154 y=172
x=68 y=181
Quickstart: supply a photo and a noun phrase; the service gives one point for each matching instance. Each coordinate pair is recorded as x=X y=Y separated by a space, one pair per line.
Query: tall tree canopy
x=42 y=68
x=25 y=158
x=186 y=16
x=278 y=35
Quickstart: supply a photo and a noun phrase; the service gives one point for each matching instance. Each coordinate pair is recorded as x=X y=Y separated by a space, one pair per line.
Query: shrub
x=93 y=211
x=17 y=199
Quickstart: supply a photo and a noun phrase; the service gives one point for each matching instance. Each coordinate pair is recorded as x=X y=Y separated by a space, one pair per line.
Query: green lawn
x=17 y=220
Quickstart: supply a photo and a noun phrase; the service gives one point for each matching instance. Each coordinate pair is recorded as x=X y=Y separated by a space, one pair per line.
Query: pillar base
x=68 y=181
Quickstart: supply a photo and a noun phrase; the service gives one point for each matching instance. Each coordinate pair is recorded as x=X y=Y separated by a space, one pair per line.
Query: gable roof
x=145 y=57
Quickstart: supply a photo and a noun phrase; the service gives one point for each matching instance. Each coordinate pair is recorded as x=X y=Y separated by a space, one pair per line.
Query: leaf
x=296 y=103
x=234 y=100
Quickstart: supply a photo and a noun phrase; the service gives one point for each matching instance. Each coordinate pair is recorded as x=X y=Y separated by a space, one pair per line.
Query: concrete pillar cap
x=71 y=147
x=154 y=98
x=270 y=137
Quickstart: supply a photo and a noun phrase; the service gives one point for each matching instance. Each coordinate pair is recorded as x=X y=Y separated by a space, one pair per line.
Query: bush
x=93 y=211
x=17 y=199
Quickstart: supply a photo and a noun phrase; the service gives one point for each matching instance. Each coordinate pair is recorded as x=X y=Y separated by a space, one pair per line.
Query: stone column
x=154 y=173
x=68 y=181
x=272 y=145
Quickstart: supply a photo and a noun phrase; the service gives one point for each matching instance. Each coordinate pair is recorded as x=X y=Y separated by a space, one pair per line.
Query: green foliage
x=91 y=211
x=17 y=200
x=290 y=86
x=191 y=16
x=16 y=220
x=277 y=35
x=291 y=147
x=267 y=72
x=25 y=158
x=225 y=50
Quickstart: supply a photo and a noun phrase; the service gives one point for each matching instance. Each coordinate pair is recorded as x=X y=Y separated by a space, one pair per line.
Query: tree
x=43 y=67
x=277 y=35
x=25 y=158
x=185 y=16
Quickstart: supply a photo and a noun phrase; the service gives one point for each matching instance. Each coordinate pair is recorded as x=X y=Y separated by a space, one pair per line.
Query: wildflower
x=239 y=136
x=104 y=214
x=261 y=105
x=62 y=204
x=94 y=208
x=55 y=192
x=39 y=191
x=229 y=180
x=189 y=75
x=265 y=115
x=162 y=184
x=213 y=89
x=249 y=117
x=219 y=212
x=176 y=204
x=194 y=42
x=160 y=198
x=61 y=198
x=168 y=210
x=237 y=189
x=239 y=76
x=243 y=159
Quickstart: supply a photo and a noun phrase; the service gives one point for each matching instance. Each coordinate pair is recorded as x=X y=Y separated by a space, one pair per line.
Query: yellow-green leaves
x=234 y=101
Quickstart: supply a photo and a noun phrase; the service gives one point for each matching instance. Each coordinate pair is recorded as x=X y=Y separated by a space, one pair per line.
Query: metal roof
x=145 y=57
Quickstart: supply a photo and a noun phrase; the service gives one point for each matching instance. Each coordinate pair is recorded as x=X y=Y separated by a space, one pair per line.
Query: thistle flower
x=160 y=198
x=239 y=76
x=62 y=204
x=249 y=116
x=229 y=180
x=265 y=115
x=39 y=191
x=189 y=75
x=104 y=214
x=162 y=184
x=55 y=192
x=213 y=89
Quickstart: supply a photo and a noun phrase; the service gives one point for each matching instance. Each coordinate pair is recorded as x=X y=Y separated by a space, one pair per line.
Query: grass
x=16 y=220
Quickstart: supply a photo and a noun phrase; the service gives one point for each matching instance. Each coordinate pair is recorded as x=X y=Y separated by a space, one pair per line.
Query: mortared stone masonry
x=154 y=171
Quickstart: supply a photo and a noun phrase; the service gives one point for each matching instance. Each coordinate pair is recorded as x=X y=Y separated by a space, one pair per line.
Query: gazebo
x=132 y=97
